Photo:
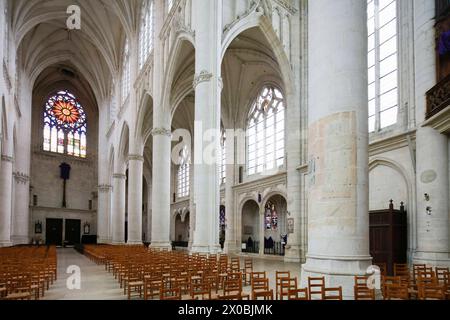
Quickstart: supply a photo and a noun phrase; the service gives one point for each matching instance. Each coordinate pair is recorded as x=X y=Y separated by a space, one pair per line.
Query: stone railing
x=438 y=98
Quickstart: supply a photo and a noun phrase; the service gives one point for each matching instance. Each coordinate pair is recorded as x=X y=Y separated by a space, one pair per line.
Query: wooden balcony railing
x=438 y=98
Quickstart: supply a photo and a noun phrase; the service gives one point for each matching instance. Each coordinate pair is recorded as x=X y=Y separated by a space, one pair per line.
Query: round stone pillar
x=119 y=208
x=6 y=175
x=135 y=174
x=338 y=215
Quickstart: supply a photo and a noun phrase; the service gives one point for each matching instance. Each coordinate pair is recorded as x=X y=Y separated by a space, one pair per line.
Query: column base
x=18 y=240
x=103 y=241
x=293 y=253
x=134 y=242
x=200 y=248
x=4 y=244
x=437 y=259
x=338 y=271
x=117 y=243
x=160 y=245
x=231 y=247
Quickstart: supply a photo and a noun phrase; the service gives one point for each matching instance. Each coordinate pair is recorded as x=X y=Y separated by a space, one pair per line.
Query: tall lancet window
x=146 y=32
x=183 y=173
x=126 y=72
x=382 y=63
x=65 y=125
x=266 y=132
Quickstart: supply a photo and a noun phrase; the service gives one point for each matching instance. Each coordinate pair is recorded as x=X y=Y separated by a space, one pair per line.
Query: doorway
x=54 y=232
x=73 y=232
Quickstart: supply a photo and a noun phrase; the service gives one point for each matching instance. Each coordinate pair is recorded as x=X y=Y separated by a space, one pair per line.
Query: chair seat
x=18 y=296
x=136 y=283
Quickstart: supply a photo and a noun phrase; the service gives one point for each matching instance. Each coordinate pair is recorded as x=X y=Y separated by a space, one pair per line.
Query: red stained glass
x=66 y=112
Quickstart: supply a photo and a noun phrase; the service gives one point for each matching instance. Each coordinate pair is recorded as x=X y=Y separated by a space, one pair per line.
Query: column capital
x=203 y=76
x=119 y=176
x=135 y=157
x=21 y=177
x=161 y=132
x=104 y=188
x=7 y=158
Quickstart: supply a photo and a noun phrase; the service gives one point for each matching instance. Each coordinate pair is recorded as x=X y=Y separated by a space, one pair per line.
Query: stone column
x=6 y=175
x=161 y=188
x=161 y=143
x=207 y=85
x=262 y=229
x=103 y=216
x=338 y=219
x=135 y=174
x=21 y=217
x=432 y=176
x=295 y=95
x=119 y=208
x=231 y=245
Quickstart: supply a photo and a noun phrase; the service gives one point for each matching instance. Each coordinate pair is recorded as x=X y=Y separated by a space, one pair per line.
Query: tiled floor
x=98 y=284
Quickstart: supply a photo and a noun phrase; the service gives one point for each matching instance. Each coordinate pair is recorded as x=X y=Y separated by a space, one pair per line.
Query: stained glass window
x=65 y=126
x=265 y=131
x=183 y=173
x=382 y=63
x=146 y=32
x=271 y=216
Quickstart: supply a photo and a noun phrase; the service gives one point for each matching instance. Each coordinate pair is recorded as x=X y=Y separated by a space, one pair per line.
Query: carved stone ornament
x=161 y=132
x=104 y=188
x=21 y=177
x=204 y=76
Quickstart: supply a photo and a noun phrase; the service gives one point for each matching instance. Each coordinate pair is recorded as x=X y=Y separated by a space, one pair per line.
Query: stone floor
x=98 y=284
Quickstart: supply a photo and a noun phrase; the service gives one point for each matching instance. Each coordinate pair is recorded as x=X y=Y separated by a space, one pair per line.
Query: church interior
x=225 y=150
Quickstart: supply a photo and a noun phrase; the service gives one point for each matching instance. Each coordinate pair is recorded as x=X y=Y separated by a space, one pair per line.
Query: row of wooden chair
x=26 y=272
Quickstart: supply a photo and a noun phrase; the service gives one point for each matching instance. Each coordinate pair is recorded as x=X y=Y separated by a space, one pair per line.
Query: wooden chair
x=260 y=288
x=247 y=271
x=441 y=273
x=19 y=287
x=396 y=292
x=287 y=284
x=428 y=286
x=315 y=286
x=170 y=294
x=298 y=294
x=388 y=281
x=361 y=289
x=332 y=293
x=233 y=288
x=278 y=276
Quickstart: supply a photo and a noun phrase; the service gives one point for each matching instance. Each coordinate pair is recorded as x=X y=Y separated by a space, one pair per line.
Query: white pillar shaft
x=5 y=200
x=135 y=171
x=161 y=189
x=103 y=217
x=207 y=85
x=21 y=222
x=231 y=245
x=431 y=150
x=338 y=219
x=119 y=209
